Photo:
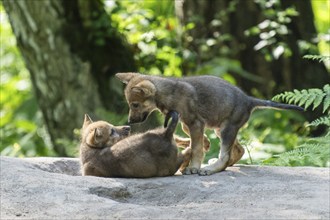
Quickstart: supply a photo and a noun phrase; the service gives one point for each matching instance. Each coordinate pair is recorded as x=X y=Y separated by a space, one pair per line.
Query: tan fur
x=202 y=102
x=109 y=151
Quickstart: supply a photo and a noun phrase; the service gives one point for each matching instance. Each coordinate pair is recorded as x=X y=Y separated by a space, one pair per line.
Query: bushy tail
x=171 y=127
x=259 y=103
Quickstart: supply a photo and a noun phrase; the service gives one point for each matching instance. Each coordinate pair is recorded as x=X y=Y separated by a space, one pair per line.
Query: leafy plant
x=308 y=97
x=273 y=30
x=320 y=58
x=321 y=121
x=21 y=129
x=315 y=151
x=150 y=29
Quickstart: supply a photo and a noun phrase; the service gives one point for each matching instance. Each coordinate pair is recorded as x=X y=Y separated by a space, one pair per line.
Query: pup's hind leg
x=228 y=137
x=90 y=170
x=185 y=142
x=184 y=159
x=236 y=154
x=206 y=141
x=182 y=142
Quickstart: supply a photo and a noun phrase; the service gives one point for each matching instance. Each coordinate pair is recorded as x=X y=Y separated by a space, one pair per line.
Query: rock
x=52 y=188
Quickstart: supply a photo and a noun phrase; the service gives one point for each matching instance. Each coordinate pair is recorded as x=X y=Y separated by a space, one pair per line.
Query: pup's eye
x=112 y=132
x=135 y=105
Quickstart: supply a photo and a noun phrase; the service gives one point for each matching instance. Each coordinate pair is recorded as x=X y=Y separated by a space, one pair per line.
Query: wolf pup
x=97 y=137
x=108 y=151
x=202 y=102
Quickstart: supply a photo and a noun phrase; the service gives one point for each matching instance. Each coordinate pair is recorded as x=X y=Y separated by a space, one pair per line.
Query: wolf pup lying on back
x=109 y=151
x=201 y=101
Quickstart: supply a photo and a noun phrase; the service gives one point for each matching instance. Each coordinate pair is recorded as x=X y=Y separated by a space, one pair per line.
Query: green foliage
x=306 y=98
x=221 y=67
x=21 y=129
x=321 y=13
x=320 y=58
x=273 y=30
x=212 y=53
x=315 y=151
x=321 y=121
x=150 y=29
x=270 y=132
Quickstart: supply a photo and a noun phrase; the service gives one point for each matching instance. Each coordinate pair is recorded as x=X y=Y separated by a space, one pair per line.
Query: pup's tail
x=171 y=127
x=259 y=103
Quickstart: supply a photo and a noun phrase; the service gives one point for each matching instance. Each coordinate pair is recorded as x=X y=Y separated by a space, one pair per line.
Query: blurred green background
x=58 y=60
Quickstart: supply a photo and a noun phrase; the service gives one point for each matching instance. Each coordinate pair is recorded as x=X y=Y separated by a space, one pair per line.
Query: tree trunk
x=71 y=52
x=226 y=22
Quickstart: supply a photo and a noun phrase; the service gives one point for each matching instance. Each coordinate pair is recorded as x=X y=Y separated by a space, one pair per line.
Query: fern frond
x=326 y=102
x=310 y=154
x=306 y=98
x=288 y=97
x=321 y=121
x=320 y=58
x=314 y=152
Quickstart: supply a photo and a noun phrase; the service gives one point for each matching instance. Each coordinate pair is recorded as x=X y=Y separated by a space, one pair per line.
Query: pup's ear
x=145 y=88
x=93 y=138
x=87 y=121
x=126 y=77
x=97 y=136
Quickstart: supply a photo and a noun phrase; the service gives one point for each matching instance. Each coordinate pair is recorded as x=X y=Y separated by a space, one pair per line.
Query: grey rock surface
x=52 y=188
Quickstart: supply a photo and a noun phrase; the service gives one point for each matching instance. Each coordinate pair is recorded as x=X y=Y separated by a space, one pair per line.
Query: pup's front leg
x=196 y=131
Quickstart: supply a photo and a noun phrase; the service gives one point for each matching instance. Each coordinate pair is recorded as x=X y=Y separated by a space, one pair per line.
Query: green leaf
x=326 y=102
x=310 y=100
x=304 y=97
x=318 y=100
x=320 y=58
x=291 y=11
x=321 y=121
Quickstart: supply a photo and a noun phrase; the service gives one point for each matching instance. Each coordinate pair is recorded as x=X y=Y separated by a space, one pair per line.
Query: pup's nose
x=127 y=128
x=131 y=121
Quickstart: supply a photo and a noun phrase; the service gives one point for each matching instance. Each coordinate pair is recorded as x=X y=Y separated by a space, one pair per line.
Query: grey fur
x=149 y=154
x=202 y=102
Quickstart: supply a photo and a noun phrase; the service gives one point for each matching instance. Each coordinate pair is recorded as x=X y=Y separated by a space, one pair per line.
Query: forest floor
x=52 y=188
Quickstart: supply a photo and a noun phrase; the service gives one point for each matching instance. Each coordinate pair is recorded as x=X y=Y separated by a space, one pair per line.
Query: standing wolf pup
x=202 y=101
x=109 y=151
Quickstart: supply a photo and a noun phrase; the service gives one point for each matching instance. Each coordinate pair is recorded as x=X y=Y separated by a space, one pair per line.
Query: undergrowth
x=314 y=151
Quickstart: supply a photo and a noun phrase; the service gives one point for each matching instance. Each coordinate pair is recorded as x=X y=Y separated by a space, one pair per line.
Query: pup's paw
x=205 y=172
x=190 y=170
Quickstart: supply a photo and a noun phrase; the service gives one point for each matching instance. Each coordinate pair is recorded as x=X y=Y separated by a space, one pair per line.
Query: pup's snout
x=137 y=118
x=133 y=121
x=127 y=128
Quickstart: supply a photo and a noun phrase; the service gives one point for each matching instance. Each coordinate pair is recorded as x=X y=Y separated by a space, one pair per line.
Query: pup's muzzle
x=133 y=120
